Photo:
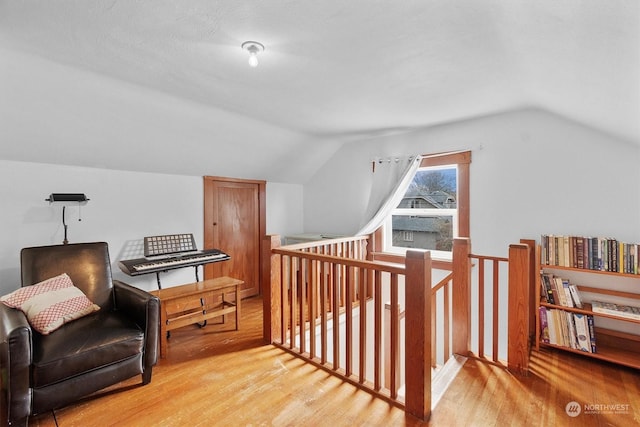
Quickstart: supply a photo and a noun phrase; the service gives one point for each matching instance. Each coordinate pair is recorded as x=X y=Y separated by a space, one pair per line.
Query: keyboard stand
x=158 y=276
x=202 y=302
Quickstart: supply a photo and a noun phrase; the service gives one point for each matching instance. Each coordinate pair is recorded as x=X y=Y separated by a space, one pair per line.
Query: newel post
x=418 y=334
x=461 y=296
x=272 y=291
x=519 y=309
x=533 y=291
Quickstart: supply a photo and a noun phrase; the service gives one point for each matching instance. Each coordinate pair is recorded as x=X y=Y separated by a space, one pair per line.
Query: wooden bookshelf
x=611 y=345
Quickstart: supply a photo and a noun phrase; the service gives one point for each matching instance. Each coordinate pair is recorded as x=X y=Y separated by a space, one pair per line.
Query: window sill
x=439 y=264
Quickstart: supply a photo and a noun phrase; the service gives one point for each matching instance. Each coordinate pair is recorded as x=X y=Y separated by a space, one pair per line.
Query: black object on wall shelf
x=67 y=197
x=79 y=198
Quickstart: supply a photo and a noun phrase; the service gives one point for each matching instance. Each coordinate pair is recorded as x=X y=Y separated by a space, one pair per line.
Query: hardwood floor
x=214 y=378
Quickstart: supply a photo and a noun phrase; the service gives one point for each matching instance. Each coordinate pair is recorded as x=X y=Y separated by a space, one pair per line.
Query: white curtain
x=391 y=179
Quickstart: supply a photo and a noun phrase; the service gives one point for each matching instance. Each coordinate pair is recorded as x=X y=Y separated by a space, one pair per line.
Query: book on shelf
x=575 y=295
x=547 y=290
x=567 y=293
x=559 y=288
x=592 y=332
x=566 y=329
x=551 y=321
x=590 y=253
x=573 y=338
x=544 y=325
x=563 y=330
x=627 y=311
x=582 y=332
x=559 y=291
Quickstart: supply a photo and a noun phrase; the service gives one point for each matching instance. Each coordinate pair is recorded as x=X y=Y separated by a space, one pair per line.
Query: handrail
x=441 y=284
x=371 y=265
x=326 y=242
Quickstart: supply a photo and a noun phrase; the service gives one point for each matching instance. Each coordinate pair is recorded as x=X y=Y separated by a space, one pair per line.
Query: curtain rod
x=381 y=160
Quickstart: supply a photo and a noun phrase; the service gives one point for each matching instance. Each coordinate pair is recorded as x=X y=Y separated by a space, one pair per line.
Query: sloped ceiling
x=336 y=70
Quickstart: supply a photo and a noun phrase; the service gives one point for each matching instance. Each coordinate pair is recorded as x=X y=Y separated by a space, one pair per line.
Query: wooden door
x=234 y=222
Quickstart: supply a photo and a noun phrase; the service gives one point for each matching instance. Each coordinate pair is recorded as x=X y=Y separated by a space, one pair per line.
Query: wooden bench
x=196 y=303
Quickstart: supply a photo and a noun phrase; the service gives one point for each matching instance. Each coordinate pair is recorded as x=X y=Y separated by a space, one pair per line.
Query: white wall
x=284 y=208
x=532 y=172
x=124 y=207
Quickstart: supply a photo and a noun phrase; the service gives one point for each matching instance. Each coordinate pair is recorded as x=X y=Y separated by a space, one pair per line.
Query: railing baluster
x=395 y=337
x=445 y=333
x=496 y=283
x=343 y=285
x=284 y=296
x=336 y=317
x=434 y=332
x=349 y=322
x=312 y=297
x=294 y=301
x=377 y=336
x=302 y=305
x=362 y=362
x=481 y=309
x=323 y=312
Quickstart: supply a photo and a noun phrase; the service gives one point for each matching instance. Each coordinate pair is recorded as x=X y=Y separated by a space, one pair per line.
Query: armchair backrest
x=87 y=264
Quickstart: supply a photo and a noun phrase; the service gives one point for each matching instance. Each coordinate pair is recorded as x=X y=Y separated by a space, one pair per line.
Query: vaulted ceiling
x=334 y=70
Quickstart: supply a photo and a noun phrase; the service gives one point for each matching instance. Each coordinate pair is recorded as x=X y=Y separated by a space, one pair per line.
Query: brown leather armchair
x=44 y=372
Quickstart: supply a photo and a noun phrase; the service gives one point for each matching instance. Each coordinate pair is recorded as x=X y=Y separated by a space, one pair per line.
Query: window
x=434 y=210
x=407 y=236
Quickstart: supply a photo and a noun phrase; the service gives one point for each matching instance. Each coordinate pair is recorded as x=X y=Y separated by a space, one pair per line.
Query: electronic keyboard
x=134 y=267
x=168 y=252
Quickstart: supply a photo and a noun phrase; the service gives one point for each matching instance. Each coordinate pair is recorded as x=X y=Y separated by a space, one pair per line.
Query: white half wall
x=124 y=207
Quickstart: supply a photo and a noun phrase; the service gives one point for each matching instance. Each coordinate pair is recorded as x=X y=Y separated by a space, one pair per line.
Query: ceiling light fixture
x=253 y=48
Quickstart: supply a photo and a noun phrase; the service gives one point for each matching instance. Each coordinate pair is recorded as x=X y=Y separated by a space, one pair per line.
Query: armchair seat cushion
x=92 y=342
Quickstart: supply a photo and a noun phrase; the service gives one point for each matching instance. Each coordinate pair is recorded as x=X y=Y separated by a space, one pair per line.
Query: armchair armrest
x=15 y=365
x=144 y=309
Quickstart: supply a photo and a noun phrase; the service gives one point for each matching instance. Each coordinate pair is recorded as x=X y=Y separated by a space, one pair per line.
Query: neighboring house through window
x=434 y=209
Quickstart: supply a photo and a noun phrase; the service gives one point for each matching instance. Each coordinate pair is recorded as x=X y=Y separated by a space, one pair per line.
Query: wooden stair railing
x=319 y=296
x=518 y=313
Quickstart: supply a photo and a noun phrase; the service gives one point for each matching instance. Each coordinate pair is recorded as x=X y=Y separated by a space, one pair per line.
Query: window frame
x=461 y=159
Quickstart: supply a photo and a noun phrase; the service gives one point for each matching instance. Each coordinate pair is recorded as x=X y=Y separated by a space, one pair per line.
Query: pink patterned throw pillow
x=50 y=303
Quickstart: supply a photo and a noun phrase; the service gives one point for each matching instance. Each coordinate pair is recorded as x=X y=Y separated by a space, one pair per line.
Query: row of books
x=591 y=253
x=559 y=291
x=566 y=329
